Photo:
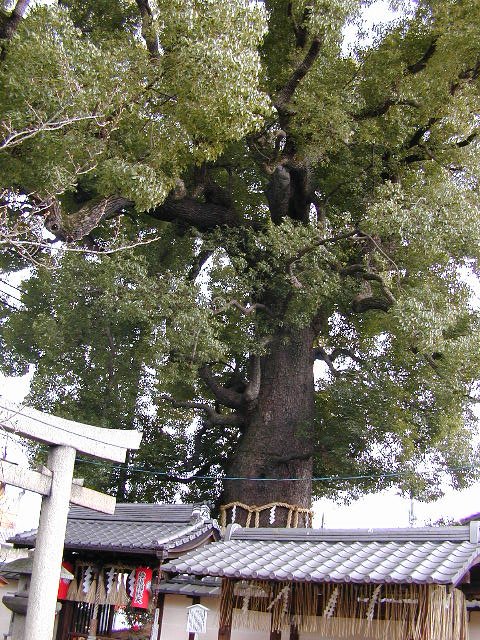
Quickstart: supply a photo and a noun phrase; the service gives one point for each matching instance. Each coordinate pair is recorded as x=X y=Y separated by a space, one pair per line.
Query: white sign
x=197 y=618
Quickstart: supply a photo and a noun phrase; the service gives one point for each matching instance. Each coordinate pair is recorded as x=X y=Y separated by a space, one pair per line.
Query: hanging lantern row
x=110 y=586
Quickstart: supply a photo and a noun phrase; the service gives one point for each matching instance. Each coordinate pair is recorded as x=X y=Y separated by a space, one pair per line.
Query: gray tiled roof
x=132 y=528
x=190 y=587
x=440 y=555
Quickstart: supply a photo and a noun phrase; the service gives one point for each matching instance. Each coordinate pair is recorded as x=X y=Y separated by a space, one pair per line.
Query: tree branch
x=361 y=271
x=468 y=139
x=181 y=479
x=339 y=352
x=381 y=109
x=79 y=224
x=286 y=92
x=321 y=242
x=420 y=132
x=300 y=31
x=148 y=29
x=197 y=266
x=362 y=304
x=418 y=66
x=319 y=353
x=14 y=138
x=225 y=396
x=246 y=310
x=187 y=211
x=213 y=417
x=9 y=23
x=203 y=216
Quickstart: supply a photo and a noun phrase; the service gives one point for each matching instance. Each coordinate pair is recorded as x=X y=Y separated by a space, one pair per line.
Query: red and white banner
x=142 y=588
x=64 y=583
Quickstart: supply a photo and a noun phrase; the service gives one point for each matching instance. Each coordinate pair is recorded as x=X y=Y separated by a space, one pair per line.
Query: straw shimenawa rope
x=294 y=512
x=373 y=611
x=72 y=590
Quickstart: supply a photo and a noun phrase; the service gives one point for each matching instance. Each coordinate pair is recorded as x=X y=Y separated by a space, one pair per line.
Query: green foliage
x=387 y=139
x=99 y=106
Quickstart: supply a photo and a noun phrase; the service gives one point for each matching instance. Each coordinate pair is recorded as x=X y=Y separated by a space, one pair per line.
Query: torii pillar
x=64 y=438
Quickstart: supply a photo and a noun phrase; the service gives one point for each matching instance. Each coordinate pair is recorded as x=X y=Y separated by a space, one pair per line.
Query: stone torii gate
x=55 y=483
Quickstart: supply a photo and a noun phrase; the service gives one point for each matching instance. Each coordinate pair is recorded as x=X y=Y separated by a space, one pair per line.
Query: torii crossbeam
x=64 y=438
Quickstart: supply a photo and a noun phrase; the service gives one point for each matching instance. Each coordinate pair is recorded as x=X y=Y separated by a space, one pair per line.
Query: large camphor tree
x=258 y=231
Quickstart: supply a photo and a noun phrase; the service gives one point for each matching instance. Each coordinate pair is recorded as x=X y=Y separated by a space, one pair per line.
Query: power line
x=11 y=285
x=168 y=476
x=7 y=304
x=11 y=295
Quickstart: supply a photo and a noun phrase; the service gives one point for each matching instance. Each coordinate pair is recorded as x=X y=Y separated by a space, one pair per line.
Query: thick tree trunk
x=277 y=441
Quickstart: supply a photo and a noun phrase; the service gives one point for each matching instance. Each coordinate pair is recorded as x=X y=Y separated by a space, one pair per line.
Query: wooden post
x=159 y=617
x=225 y=627
x=294 y=634
x=225 y=632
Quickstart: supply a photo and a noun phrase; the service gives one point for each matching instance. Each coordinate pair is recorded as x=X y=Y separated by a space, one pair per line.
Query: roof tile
x=132 y=527
x=440 y=555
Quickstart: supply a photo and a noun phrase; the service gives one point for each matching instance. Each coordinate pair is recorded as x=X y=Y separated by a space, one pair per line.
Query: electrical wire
x=10 y=295
x=11 y=285
x=168 y=477
x=7 y=304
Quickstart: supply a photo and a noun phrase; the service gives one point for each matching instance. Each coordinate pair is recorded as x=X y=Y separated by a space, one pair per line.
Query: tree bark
x=277 y=440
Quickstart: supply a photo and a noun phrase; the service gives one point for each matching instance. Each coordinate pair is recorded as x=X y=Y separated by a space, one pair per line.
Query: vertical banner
x=142 y=588
x=64 y=583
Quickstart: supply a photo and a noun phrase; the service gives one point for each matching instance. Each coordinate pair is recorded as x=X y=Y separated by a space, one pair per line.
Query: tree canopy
x=260 y=240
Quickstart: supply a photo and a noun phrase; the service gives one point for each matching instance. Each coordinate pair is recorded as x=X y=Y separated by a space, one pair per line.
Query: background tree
x=309 y=205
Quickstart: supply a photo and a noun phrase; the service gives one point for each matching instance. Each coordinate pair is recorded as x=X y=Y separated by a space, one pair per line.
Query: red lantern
x=64 y=582
x=142 y=587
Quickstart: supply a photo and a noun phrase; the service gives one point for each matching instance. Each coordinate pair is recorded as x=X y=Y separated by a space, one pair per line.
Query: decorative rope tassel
x=90 y=597
x=72 y=593
x=101 y=594
x=122 y=595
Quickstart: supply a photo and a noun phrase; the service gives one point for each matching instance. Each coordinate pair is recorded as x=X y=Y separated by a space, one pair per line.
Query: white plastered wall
x=174 y=625
x=474 y=625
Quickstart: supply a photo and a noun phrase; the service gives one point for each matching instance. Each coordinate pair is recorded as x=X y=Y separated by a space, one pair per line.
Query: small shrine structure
x=384 y=584
x=116 y=562
x=55 y=483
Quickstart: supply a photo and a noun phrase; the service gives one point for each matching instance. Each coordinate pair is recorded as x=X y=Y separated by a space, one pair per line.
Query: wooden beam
x=42 y=482
x=106 y=444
